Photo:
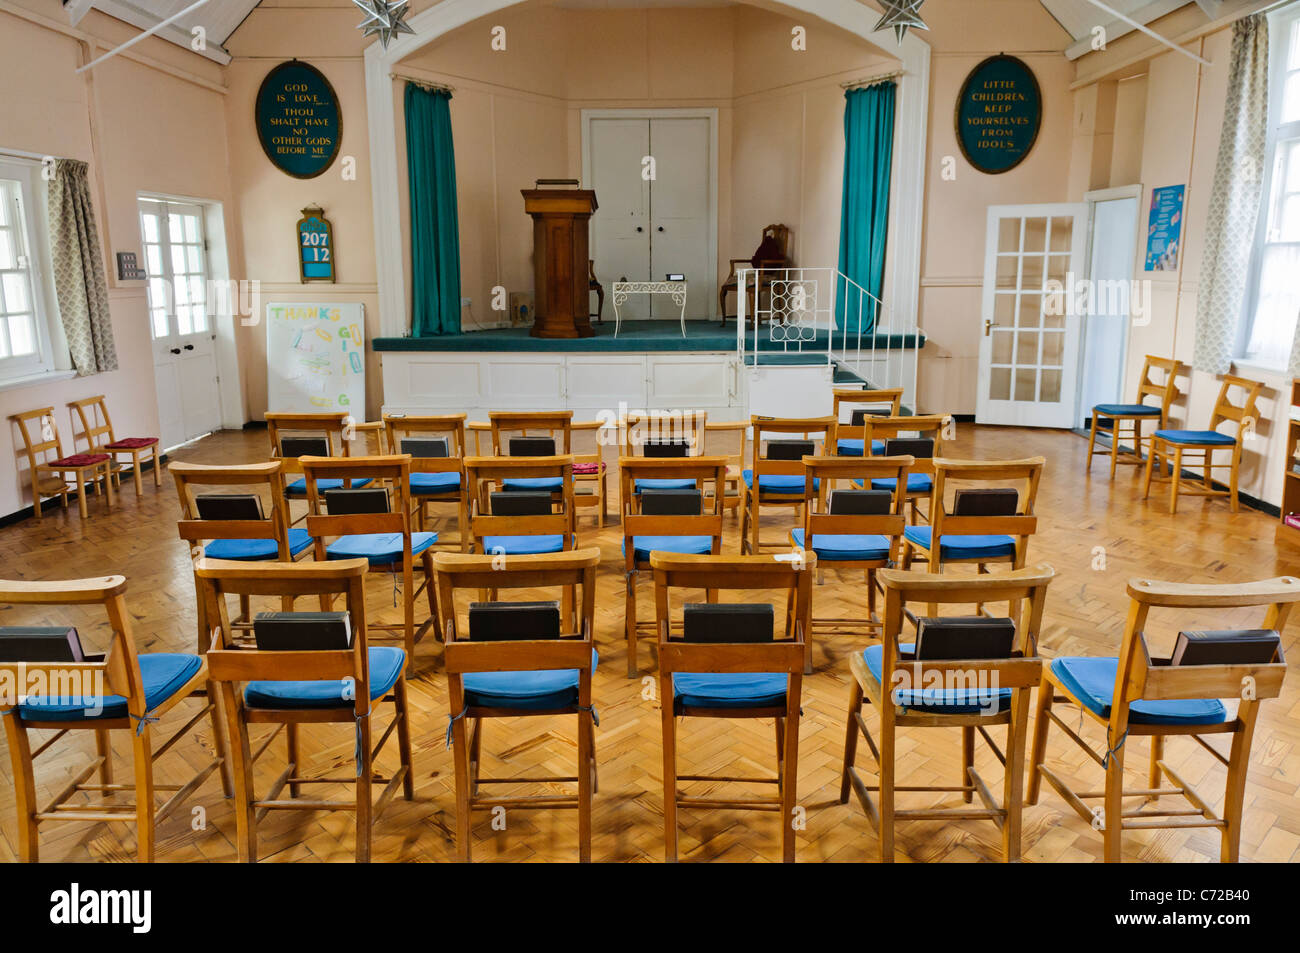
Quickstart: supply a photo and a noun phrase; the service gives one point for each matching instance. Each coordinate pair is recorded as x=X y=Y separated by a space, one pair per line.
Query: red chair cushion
x=131 y=443
x=585 y=469
x=79 y=460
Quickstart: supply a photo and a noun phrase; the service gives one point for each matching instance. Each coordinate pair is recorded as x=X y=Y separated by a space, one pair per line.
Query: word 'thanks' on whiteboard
x=315 y=357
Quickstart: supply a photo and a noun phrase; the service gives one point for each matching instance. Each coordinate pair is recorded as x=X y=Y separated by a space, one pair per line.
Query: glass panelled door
x=1029 y=334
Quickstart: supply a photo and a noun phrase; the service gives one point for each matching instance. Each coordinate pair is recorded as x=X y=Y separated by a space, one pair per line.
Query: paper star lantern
x=383 y=19
x=901 y=14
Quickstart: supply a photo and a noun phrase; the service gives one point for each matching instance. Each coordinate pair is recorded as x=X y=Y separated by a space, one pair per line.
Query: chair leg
x=1114 y=812
x=138 y=474
x=219 y=740
x=1114 y=445
x=1152 y=457
x=1153 y=772
x=1233 y=505
x=1092 y=442
x=670 y=769
x=104 y=748
x=1039 y=749
x=24 y=774
x=291 y=754
x=886 y=785
x=461 y=756
x=629 y=624
x=850 y=740
x=157 y=467
x=584 y=787
x=1235 y=794
x=365 y=804
x=142 y=754
x=1175 y=479
x=242 y=769
x=789 y=784
x=968 y=760
x=1014 y=780
x=81 y=495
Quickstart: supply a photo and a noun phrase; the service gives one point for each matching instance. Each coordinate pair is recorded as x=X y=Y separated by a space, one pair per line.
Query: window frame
x=33 y=227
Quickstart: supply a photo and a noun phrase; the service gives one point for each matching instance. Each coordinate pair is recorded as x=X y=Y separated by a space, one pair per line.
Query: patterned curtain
x=79 y=278
x=1234 y=203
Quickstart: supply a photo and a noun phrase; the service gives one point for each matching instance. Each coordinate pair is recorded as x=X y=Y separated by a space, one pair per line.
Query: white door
x=185 y=367
x=620 y=239
x=1029 y=355
x=1112 y=243
x=679 y=213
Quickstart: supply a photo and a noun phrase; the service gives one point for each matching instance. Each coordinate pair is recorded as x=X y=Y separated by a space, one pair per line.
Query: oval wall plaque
x=298 y=119
x=999 y=113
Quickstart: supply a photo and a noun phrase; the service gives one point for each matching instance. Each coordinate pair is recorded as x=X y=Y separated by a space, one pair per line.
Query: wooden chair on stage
x=590 y=483
x=292 y=688
x=506 y=665
x=776 y=474
x=922 y=438
x=1137 y=695
x=732 y=668
x=49 y=474
x=667 y=515
x=772 y=254
x=847 y=436
x=1113 y=417
x=730 y=439
x=1202 y=444
x=120 y=691
x=858 y=530
x=97 y=431
x=990 y=687
x=437 y=448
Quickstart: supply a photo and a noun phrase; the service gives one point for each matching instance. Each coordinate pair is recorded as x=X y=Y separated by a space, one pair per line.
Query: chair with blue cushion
x=437 y=448
x=1112 y=418
x=666 y=434
x=860 y=405
x=713 y=666
x=920 y=437
x=290 y=688
x=544 y=433
x=1138 y=694
x=853 y=529
x=730 y=439
x=978 y=675
x=363 y=505
x=1201 y=445
x=120 y=691
x=293 y=435
x=516 y=660
x=775 y=475
x=668 y=514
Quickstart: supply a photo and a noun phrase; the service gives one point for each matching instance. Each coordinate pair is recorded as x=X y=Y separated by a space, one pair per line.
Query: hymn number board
x=315 y=246
x=299 y=121
x=999 y=113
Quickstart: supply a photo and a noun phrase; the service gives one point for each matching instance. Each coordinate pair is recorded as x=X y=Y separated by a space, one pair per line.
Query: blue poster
x=1164 y=227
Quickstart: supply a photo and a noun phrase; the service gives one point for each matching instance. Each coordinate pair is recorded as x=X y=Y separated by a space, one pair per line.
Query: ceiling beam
x=1117 y=28
x=1211 y=8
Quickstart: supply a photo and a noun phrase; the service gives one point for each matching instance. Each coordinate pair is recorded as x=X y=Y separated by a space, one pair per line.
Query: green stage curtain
x=435 y=240
x=864 y=221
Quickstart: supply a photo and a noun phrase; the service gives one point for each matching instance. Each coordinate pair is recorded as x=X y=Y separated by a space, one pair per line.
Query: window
x=1275 y=303
x=172 y=234
x=24 y=337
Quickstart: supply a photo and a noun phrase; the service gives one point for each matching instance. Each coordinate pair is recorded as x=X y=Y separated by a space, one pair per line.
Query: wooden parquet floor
x=1095 y=533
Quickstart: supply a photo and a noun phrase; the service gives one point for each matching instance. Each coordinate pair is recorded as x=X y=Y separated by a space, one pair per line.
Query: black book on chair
x=860 y=415
x=673 y=447
x=229 y=506
x=1226 y=647
x=304 y=446
x=532 y=446
x=727 y=622
x=986 y=501
x=666 y=502
x=353 y=502
x=302 y=631
x=426 y=448
x=920 y=447
x=790 y=449
x=40 y=643
x=513 y=621
x=964 y=637
x=861 y=502
x=521 y=503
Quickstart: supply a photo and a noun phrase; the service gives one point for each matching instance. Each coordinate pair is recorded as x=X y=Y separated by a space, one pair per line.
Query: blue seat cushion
x=162 y=673
x=964 y=547
x=1092 y=683
x=729 y=689
x=527 y=691
x=256 y=548
x=848 y=447
x=777 y=482
x=380 y=548
x=1209 y=437
x=689 y=545
x=916 y=483
x=299 y=486
x=386 y=664
x=554 y=484
x=1128 y=410
x=845 y=546
x=522 y=545
x=946 y=701
x=427 y=484
x=664 y=485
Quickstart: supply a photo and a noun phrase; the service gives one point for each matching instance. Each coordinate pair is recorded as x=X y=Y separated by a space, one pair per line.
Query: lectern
x=560 y=220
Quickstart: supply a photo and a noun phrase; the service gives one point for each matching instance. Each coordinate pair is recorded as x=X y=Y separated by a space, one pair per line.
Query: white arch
x=906 y=205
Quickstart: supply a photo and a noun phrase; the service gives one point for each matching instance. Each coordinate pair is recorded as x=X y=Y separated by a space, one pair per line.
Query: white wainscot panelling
x=600 y=383
x=524 y=381
x=692 y=381
x=437 y=381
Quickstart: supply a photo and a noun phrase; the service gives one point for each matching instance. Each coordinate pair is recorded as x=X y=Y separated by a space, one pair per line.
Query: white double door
x=653 y=178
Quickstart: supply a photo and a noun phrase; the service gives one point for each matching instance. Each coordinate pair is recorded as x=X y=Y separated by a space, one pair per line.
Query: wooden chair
x=977 y=694
x=1138 y=695
x=681 y=431
x=512 y=535
x=48 y=475
x=482 y=434
x=846 y=436
x=1112 y=417
x=976 y=537
x=380 y=535
x=434 y=479
x=596 y=286
x=733 y=680
x=320 y=427
x=590 y=484
x=730 y=439
x=96 y=425
x=523 y=677
x=776 y=481
x=289 y=689
x=773 y=252
x=921 y=437
x=862 y=537
x=1202 y=444
x=119 y=691
x=645 y=533
x=508 y=425
x=370 y=434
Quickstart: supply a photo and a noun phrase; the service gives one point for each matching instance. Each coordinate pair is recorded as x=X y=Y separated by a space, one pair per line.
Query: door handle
x=189 y=347
x=175 y=350
x=661 y=228
x=638 y=228
x=988 y=325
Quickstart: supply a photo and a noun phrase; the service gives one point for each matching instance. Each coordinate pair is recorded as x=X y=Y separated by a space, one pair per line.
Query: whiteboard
x=315 y=357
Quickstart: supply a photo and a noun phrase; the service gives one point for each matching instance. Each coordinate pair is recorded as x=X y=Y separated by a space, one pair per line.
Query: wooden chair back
x=1024 y=475
x=96 y=425
x=636 y=430
x=728 y=438
x=925 y=426
x=40 y=437
x=850 y=399
x=483 y=473
x=817 y=429
x=819 y=520
x=266 y=480
x=450 y=426
x=330 y=426
x=703 y=470
x=1165 y=391
x=1246 y=414
x=554 y=423
x=391 y=472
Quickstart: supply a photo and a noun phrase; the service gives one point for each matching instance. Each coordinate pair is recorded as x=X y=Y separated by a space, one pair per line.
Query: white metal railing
x=820 y=312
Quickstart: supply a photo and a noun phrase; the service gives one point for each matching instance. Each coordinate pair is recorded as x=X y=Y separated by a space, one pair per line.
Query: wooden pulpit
x=561 y=217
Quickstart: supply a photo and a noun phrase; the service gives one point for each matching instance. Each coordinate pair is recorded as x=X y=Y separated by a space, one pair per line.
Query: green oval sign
x=298 y=118
x=999 y=113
